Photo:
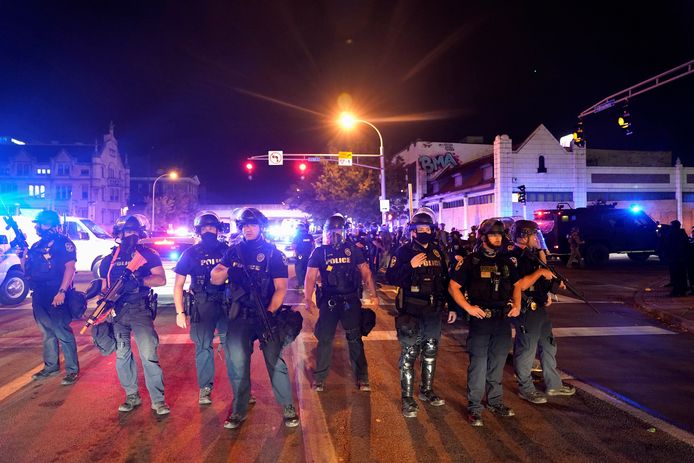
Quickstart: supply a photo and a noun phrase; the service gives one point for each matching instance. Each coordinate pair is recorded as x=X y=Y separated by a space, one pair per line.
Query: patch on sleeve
x=392 y=261
x=69 y=247
x=284 y=258
x=458 y=264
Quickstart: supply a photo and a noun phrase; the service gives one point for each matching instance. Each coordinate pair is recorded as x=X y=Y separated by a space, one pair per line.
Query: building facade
x=90 y=181
x=466 y=183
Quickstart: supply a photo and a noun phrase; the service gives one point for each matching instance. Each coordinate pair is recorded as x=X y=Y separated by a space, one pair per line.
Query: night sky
x=201 y=87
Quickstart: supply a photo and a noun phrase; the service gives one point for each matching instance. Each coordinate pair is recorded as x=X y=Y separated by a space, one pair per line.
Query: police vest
x=526 y=265
x=490 y=283
x=118 y=265
x=41 y=266
x=204 y=260
x=340 y=274
x=256 y=262
x=428 y=279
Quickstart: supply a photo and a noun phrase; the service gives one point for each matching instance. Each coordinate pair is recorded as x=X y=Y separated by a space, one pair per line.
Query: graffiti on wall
x=430 y=164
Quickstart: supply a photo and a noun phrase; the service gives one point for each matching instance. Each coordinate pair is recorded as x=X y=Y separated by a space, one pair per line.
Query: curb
x=667 y=317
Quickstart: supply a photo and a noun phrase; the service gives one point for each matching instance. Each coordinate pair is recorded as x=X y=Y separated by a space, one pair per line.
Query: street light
x=348 y=121
x=173 y=175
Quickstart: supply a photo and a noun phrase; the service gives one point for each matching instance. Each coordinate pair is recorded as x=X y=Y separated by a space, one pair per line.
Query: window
x=43 y=171
x=85 y=192
x=452 y=204
x=23 y=169
x=482 y=199
x=37 y=191
x=114 y=194
x=5 y=170
x=549 y=196
x=111 y=172
x=82 y=211
x=63 y=192
x=8 y=187
x=84 y=172
x=63 y=170
x=541 y=169
x=75 y=231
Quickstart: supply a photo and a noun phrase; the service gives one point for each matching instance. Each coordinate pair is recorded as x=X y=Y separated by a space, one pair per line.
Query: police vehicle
x=604 y=228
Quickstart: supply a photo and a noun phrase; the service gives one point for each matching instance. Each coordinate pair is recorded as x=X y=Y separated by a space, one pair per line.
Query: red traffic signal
x=249 y=169
x=303 y=167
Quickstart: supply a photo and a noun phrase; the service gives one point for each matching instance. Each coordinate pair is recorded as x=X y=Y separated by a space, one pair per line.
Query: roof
x=472 y=176
x=43 y=153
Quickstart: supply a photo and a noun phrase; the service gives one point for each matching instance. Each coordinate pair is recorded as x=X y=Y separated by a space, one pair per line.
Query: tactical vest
x=41 y=266
x=490 y=285
x=526 y=266
x=257 y=261
x=119 y=262
x=340 y=275
x=204 y=261
x=428 y=279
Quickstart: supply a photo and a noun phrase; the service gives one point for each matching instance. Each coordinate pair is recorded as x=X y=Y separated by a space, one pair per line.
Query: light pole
x=348 y=121
x=174 y=176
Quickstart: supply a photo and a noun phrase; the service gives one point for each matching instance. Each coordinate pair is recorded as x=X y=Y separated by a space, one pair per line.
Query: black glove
x=131 y=282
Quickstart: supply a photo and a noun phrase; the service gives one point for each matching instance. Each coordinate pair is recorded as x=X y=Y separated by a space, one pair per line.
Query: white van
x=92 y=242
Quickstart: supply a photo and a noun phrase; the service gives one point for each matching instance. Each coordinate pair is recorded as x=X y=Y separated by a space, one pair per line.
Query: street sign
x=275 y=158
x=344 y=158
x=385 y=205
x=314 y=159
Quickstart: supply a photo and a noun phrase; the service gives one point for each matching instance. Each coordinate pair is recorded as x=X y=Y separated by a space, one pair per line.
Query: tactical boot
x=131 y=401
x=319 y=385
x=363 y=385
x=234 y=420
x=563 y=390
x=533 y=396
x=161 y=408
x=204 y=396
x=501 y=410
x=43 y=374
x=431 y=398
x=409 y=407
x=70 y=378
x=291 y=419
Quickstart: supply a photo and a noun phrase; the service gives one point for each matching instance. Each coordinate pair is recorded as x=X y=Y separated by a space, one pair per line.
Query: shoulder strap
x=113 y=260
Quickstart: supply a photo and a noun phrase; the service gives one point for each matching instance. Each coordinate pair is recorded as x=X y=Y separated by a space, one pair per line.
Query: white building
x=466 y=183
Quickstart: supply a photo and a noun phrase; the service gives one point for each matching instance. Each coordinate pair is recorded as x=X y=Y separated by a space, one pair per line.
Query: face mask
x=424 y=238
x=129 y=242
x=208 y=239
x=50 y=233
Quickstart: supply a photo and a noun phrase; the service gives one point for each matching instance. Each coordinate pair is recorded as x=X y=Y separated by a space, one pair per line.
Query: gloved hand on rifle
x=131 y=281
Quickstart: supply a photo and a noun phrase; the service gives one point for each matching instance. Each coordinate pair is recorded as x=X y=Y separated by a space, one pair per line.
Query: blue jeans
x=136 y=319
x=533 y=330
x=488 y=343
x=202 y=334
x=54 y=323
x=239 y=344
x=350 y=318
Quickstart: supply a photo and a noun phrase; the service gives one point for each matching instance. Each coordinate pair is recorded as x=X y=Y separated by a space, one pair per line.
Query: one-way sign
x=275 y=158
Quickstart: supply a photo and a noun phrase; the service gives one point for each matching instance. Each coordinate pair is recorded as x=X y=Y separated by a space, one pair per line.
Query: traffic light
x=578 y=134
x=521 y=194
x=303 y=167
x=624 y=120
x=249 y=170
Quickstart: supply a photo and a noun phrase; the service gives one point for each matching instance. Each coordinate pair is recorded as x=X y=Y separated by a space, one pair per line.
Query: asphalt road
x=633 y=374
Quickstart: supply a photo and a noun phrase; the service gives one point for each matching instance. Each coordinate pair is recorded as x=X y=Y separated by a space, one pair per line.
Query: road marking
x=609 y=331
x=25 y=379
x=640 y=414
x=15 y=308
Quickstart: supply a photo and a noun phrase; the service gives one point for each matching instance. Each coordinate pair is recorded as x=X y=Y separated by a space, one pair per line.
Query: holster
x=151 y=303
x=190 y=306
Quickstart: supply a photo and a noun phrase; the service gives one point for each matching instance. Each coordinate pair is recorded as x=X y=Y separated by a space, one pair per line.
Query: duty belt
x=335 y=300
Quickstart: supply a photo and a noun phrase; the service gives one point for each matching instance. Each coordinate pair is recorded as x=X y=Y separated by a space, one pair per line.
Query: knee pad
x=409 y=355
x=430 y=347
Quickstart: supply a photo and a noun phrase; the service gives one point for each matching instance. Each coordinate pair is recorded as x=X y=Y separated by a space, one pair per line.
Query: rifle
x=269 y=333
x=106 y=305
x=563 y=279
x=19 y=240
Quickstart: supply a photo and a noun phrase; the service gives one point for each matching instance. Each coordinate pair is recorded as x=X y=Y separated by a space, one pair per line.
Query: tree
x=177 y=210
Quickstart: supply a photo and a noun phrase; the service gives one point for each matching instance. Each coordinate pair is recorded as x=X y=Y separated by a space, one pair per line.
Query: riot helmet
x=334 y=230
x=527 y=229
x=490 y=227
x=423 y=225
x=206 y=218
x=251 y=216
x=133 y=222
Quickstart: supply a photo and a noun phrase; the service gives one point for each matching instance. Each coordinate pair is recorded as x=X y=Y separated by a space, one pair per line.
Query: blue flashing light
x=174 y=255
x=635 y=208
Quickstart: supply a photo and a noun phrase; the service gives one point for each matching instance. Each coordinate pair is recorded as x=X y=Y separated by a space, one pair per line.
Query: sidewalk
x=675 y=311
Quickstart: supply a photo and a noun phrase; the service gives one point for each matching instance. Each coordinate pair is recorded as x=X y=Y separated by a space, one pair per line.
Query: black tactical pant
x=300 y=268
x=533 y=331
x=424 y=341
x=348 y=313
x=209 y=313
x=54 y=323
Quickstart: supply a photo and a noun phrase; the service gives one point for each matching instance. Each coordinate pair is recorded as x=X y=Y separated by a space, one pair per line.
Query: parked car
x=169 y=247
x=13 y=284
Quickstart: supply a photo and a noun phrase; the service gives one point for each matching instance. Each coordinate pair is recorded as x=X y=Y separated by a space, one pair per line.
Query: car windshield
x=96 y=229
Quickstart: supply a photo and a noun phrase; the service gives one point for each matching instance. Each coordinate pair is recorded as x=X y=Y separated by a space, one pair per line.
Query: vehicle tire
x=563 y=259
x=95 y=267
x=638 y=256
x=14 y=289
x=597 y=254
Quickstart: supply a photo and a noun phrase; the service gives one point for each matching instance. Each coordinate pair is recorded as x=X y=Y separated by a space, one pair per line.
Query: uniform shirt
x=48 y=257
x=198 y=262
x=478 y=274
x=264 y=263
x=152 y=260
x=429 y=278
x=303 y=243
x=338 y=267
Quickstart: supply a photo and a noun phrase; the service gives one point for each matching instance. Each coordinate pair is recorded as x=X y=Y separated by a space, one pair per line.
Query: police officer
x=205 y=300
x=533 y=327
x=419 y=270
x=303 y=246
x=50 y=268
x=135 y=311
x=254 y=258
x=341 y=267
x=482 y=284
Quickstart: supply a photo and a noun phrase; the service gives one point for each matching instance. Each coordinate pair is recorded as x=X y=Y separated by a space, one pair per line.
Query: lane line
x=609 y=331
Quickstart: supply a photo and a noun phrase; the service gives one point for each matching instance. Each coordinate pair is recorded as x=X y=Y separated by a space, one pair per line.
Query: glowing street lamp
x=348 y=121
x=173 y=175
